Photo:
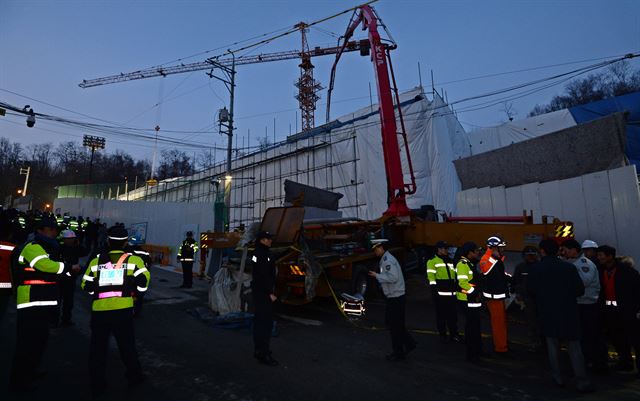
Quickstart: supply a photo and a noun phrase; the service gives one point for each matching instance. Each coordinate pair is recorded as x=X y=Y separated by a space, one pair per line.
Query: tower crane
x=375 y=46
x=306 y=84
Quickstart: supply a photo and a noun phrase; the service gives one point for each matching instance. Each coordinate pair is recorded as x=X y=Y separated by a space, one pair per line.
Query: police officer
x=111 y=278
x=186 y=256
x=392 y=282
x=136 y=249
x=71 y=252
x=263 y=289
x=6 y=248
x=494 y=290
x=441 y=274
x=36 y=270
x=470 y=300
x=593 y=347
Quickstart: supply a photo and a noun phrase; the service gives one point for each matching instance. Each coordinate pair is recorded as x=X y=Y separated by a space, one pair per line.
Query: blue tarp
x=627 y=103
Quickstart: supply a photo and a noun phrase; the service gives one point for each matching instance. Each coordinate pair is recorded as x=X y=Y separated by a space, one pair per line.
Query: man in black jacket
x=263 y=290
x=620 y=296
x=555 y=284
x=71 y=251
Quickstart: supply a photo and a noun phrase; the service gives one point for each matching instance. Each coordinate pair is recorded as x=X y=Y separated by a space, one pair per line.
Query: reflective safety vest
x=113 y=279
x=5 y=266
x=36 y=277
x=443 y=275
x=468 y=284
x=73 y=225
x=187 y=250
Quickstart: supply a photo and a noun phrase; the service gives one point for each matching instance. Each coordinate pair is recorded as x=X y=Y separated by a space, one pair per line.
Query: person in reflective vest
x=111 y=278
x=494 y=290
x=186 y=256
x=36 y=269
x=441 y=274
x=138 y=300
x=6 y=248
x=470 y=300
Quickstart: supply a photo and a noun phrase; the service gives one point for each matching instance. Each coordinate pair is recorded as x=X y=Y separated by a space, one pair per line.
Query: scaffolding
x=342 y=156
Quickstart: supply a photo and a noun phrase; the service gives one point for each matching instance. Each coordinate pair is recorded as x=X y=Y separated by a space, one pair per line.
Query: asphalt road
x=188 y=359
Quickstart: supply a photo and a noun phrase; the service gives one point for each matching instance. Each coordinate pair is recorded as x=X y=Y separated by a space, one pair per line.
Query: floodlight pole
x=93 y=143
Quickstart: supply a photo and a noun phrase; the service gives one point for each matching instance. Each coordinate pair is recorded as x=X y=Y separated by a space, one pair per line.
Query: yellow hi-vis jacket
x=113 y=279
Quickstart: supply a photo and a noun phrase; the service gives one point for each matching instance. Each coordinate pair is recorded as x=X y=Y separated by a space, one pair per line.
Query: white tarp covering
x=167 y=222
x=604 y=206
x=345 y=156
x=487 y=139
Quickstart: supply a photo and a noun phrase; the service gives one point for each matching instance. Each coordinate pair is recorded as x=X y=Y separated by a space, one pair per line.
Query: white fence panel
x=625 y=199
x=597 y=196
x=515 y=206
x=550 y=199
x=499 y=201
x=531 y=200
x=485 y=208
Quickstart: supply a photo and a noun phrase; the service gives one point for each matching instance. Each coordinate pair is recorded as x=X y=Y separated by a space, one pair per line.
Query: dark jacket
x=71 y=254
x=521 y=278
x=264 y=272
x=555 y=285
x=494 y=279
x=627 y=284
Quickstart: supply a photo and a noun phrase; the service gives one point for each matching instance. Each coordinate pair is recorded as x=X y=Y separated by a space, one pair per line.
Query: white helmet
x=589 y=244
x=67 y=234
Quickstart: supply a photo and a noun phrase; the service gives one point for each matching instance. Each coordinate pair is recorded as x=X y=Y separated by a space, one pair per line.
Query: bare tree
x=264 y=143
x=509 y=110
x=175 y=163
x=206 y=159
x=617 y=80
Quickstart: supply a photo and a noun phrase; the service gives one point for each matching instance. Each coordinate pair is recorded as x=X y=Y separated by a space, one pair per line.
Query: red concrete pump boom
x=397 y=189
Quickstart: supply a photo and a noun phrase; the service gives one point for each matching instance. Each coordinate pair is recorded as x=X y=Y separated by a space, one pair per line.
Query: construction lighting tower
x=26 y=172
x=308 y=87
x=93 y=143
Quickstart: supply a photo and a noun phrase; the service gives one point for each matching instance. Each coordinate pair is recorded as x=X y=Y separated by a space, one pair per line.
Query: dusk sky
x=48 y=47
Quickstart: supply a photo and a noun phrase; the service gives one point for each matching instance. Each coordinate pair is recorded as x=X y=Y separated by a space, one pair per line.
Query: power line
x=497 y=74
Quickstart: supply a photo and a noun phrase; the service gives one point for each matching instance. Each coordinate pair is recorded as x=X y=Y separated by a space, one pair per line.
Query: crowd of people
x=582 y=295
x=39 y=265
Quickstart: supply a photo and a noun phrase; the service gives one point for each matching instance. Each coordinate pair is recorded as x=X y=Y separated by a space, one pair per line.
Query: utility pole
x=93 y=143
x=225 y=121
x=25 y=172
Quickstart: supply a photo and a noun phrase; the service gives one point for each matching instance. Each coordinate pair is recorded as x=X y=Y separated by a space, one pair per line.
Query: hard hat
x=493 y=242
x=67 y=234
x=589 y=244
x=118 y=233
